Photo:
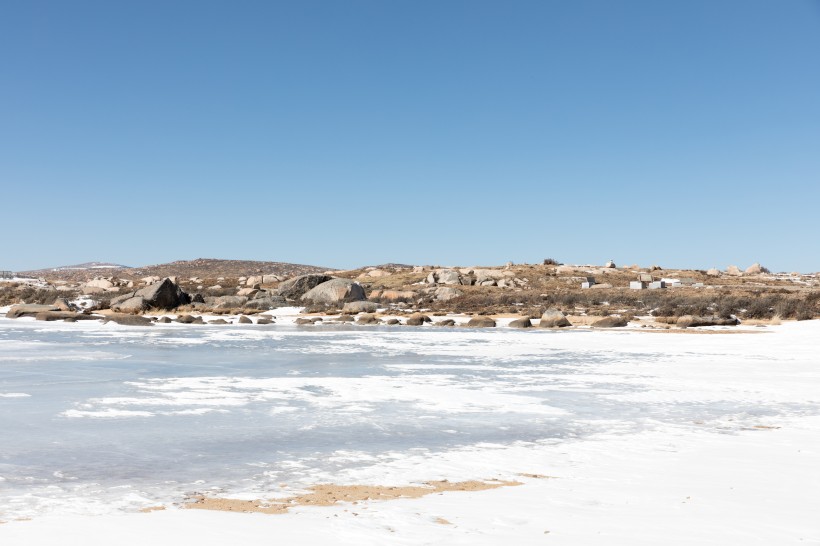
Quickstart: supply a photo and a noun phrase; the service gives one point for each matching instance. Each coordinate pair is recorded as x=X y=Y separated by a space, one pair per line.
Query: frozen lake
x=104 y=418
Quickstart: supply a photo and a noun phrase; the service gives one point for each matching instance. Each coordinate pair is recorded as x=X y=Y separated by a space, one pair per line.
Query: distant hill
x=204 y=268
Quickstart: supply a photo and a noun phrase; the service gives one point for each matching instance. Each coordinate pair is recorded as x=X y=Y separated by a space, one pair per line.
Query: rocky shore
x=547 y=295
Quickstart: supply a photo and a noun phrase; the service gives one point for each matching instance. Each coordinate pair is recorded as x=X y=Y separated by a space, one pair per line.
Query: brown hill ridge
x=200 y=267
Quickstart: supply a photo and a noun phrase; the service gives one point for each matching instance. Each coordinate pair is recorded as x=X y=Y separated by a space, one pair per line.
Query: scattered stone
x=264 y=320
x=755 y=269
x=245 y=320
x=610 y=322
x=393 y=321
x=164 y=320
x=218 y=321
x=521 y=323
x=713 y=272
x=734 y=271
x=345 y=318
x=610 y=265
x=480 y=322
x=302 y=321
x=185 y=319
x=445 y=322
x=553 y=318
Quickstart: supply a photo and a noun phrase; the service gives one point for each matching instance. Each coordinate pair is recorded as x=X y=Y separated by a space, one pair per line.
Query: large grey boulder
x=295 y=288
x=29 y=310
x=553 y=318
x=446 y=293
x=360 y=307
x=448 y=276
x=335 y=291
x=165 y=294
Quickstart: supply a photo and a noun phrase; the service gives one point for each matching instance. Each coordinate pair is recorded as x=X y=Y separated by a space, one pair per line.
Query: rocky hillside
x=201 y=267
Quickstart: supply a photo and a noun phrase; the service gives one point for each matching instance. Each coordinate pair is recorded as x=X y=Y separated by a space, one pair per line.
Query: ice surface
x=98 y=419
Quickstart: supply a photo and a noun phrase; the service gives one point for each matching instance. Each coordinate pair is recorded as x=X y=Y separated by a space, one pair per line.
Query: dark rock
x=553 y=318
x=521 y=323
x=198 y=320
x=393 y=321
x=480 y=322
x=264 y=320
x=197 y=298
x=346 y=318
x=164 y=320
x=165 y=294
x=245 y=320
x=302 y=321
x=185 y=319
x=218 y=321
x=295 y=288
x=610 y=322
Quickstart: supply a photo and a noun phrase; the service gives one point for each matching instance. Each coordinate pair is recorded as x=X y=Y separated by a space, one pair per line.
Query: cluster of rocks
x=475 y=277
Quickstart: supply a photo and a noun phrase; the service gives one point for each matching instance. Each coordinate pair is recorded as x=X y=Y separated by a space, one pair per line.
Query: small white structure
x=656 y=285
x=637 y=285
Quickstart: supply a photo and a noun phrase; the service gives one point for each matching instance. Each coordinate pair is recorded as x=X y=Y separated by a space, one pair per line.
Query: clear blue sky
x=346 y=133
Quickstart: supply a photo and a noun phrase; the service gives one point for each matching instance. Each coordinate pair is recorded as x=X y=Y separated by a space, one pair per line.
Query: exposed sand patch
x=330 y=494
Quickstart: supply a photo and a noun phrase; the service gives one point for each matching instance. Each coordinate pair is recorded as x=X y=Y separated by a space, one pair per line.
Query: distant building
x=6 y=275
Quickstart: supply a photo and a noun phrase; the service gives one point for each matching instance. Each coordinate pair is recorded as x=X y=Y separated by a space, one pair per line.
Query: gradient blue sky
x=347 y=133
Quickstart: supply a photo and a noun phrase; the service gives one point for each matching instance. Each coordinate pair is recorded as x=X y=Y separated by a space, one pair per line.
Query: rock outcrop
x=29 y=310
x=360 y=307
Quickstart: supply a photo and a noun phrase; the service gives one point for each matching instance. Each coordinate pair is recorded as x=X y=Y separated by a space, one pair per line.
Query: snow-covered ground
x=617 y=437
